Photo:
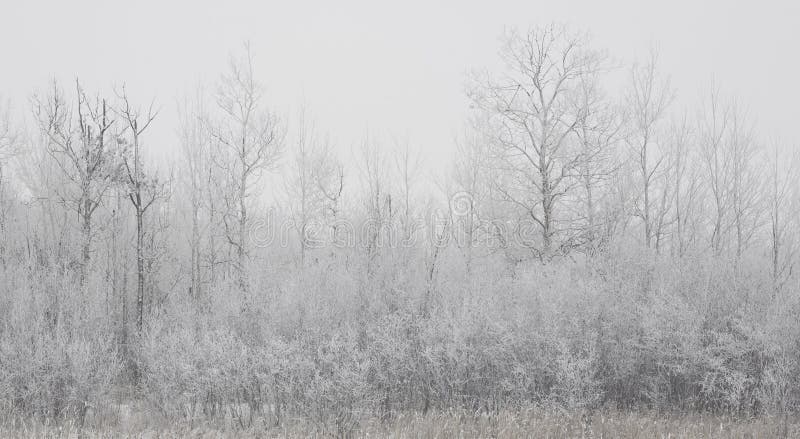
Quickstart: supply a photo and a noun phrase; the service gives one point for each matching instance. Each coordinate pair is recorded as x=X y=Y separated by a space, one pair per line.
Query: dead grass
x=455 y=424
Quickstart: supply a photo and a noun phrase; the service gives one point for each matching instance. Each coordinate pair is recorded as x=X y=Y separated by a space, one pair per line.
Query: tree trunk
x=547 y=202
x=139 y=271
x=2 y=221
x=86 y=250
x=241 y=252
x=646 y=189
x=195 y=257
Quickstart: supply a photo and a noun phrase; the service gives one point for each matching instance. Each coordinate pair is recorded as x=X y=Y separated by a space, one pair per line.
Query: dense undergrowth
x=337 y=348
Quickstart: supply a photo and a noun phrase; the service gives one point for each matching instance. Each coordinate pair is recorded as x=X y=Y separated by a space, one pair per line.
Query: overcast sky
x=395 y=68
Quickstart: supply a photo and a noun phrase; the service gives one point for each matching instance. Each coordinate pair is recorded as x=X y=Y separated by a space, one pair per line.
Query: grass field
x=506 y=424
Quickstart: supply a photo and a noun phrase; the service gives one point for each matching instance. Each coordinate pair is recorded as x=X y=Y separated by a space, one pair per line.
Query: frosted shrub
x=576 y=385
x=58 y=377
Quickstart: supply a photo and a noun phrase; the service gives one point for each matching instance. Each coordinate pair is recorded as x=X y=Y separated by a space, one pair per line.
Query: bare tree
x=535 y=123
x=8 y=135
x=373 y=168
x=745 y=185
x=598 y=130
x=252 y=139
x=407 y=164
x=305 y=185
x=730 y=157
x=195 y=146
x=662 y=214
x=714 y=119
x=143 y=190
x=647 y=98
x=438 y=240
x=328 y=175
x=784 y=172
x=686 y=181
x=82 y=146
x=215 y=177
x=118 y=253
x=8 y=140
x=469 y=188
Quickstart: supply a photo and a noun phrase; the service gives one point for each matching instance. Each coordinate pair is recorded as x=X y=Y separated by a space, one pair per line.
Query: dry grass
x=455 y=424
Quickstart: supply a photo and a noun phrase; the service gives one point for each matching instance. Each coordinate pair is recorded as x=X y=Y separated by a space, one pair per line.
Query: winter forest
x=592 y=258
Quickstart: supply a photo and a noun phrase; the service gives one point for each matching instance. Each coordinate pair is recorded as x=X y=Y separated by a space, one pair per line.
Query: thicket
x=585 y=251
x=622 y=330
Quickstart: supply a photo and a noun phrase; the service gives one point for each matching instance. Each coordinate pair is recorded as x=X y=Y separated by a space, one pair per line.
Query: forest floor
x=521 y=424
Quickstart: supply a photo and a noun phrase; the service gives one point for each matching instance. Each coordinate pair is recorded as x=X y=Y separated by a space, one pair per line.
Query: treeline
x=585 y=249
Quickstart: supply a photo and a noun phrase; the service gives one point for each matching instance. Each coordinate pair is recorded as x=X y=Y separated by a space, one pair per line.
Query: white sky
x=395 y=68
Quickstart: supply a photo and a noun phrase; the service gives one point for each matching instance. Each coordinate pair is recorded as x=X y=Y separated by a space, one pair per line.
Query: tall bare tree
x=685 y=178
x=647 y=98
x=530 y=106
x=746 y=182
x=328 y=175
x=307 y=198
x=80 y=142
x=143 y=189
x=407 y=165
x=252 y=139
x=195 y=146
x=469 y=191
x=374 y=169
x=714 y=119
x=598 y=131
x=730 y=156
x=784 y=172
x=8 y=139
